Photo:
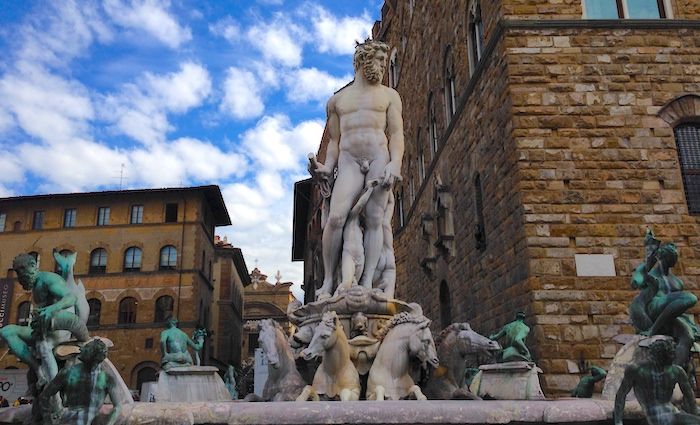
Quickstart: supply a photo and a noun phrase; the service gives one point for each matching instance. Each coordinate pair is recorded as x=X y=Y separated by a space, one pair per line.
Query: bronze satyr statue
x=653 y=383
x=585 y=386
x=173 y=346
x=658 y=308
x=514 y=334
x=83 y=388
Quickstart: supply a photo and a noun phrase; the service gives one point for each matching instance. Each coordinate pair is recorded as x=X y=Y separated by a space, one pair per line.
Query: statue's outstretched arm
x=116 y=403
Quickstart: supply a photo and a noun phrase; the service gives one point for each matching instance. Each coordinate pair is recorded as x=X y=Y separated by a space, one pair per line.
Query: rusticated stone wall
x=563 y=121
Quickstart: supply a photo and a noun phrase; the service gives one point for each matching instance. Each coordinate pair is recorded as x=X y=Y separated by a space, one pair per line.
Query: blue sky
x=175 y=93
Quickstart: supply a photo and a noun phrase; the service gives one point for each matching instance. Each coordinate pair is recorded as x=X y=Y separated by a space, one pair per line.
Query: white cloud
x=310 y=84
x=279 y=41
x=227 y=28
x=242 y=98
x=140 y=109
x=338 y=35
x=276 y=145
x=44 y=105
x=151 y=16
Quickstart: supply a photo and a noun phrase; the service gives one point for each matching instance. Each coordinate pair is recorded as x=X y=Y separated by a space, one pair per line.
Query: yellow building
x=142 y=255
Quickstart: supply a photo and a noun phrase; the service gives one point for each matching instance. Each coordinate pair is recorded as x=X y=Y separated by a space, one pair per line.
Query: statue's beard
x=372 y=73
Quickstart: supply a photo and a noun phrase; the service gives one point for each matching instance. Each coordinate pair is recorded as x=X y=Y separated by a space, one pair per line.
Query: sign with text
x=6 y=287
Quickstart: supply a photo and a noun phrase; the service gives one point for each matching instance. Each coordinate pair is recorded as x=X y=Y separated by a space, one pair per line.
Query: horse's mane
x=454 y=327
x=400 y=319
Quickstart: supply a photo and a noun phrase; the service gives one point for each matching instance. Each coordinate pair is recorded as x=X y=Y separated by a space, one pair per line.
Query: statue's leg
x=419 y=394
x=347 y=394
x=17 y=339
x=677 y=303
x=304 y=396
x=379 y=393
x=348 y=185
x=374 y=233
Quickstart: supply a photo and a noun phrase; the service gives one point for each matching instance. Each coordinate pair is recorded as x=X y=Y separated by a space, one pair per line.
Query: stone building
x=142 y=255
x=230 y=277
x=263 y=300
x=542 y=138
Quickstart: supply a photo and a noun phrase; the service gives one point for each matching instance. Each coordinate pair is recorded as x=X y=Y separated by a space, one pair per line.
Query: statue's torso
x=81 y=386
x=362 y=115
x=41 y=293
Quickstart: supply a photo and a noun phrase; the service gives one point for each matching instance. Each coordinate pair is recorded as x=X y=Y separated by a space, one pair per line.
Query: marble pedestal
x=191 y=383
x=508 y=381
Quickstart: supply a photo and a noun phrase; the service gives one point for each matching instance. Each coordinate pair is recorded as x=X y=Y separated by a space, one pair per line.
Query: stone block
x=190 y=384
x=508 y=381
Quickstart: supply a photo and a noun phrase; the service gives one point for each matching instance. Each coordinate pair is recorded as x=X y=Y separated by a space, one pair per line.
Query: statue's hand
x=320 y=169
x=392 y=173
x=46 y=313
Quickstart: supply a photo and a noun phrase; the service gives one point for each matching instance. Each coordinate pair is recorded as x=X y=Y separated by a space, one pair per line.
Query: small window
x=69 y=215
x=95 y=310
x=98 y=261
x=450 y=93
x=393 y=70
x=445 y=305
x=136 y=214
x=103 y=216
x=475 y=36
x=164 y=308
x=127 y=310
x=480 y=231
x=171 y=213
x=168 y=258
x=23 y=313
x=624 y=9
x=3 y=219
x=148 y=344
x=38 y=220
x=17 y=226
x=132 y=259
x=399 y=207
x=432 y=126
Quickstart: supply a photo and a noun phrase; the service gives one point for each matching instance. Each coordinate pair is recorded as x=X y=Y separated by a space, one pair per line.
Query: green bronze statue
x=659 y=307
x=514 y=334
x=83 y=387
x=584 y=389
x=653 y=383
x=53 y=300
x=173 y=346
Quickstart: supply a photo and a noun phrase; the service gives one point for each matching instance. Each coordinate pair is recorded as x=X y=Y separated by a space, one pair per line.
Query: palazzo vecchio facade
x=543 y=137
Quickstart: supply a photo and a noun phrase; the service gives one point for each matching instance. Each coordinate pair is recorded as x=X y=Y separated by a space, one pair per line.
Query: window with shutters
x=688 y=144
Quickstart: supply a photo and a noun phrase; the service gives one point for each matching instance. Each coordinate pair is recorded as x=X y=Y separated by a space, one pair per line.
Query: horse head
x=268 y=341
x=471 y=342
x=325 y=336
x=422 y=346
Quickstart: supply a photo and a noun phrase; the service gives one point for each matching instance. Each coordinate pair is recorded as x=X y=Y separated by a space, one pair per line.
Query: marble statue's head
x=663 y=351
x=94 y=351
x=25 y=267
x=371 y=57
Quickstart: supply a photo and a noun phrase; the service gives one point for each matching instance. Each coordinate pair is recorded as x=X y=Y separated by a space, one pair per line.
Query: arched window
x=23 y=310
x=164 y=308
x=688 y=144
x=449 y=78
x=475 y=34
x=399 y=206
x=480 y=231
x=393 y=70
x=98 y=261
x=168 y=258
x=62 y=253
x=445 y=305
x=432 y=126
x=95 y=310
x=132 y=259
x=127 y=310
x=17 y=226
x=421 y=157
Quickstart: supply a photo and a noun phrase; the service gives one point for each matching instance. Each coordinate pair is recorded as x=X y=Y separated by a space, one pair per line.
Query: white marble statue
x=366 y=143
